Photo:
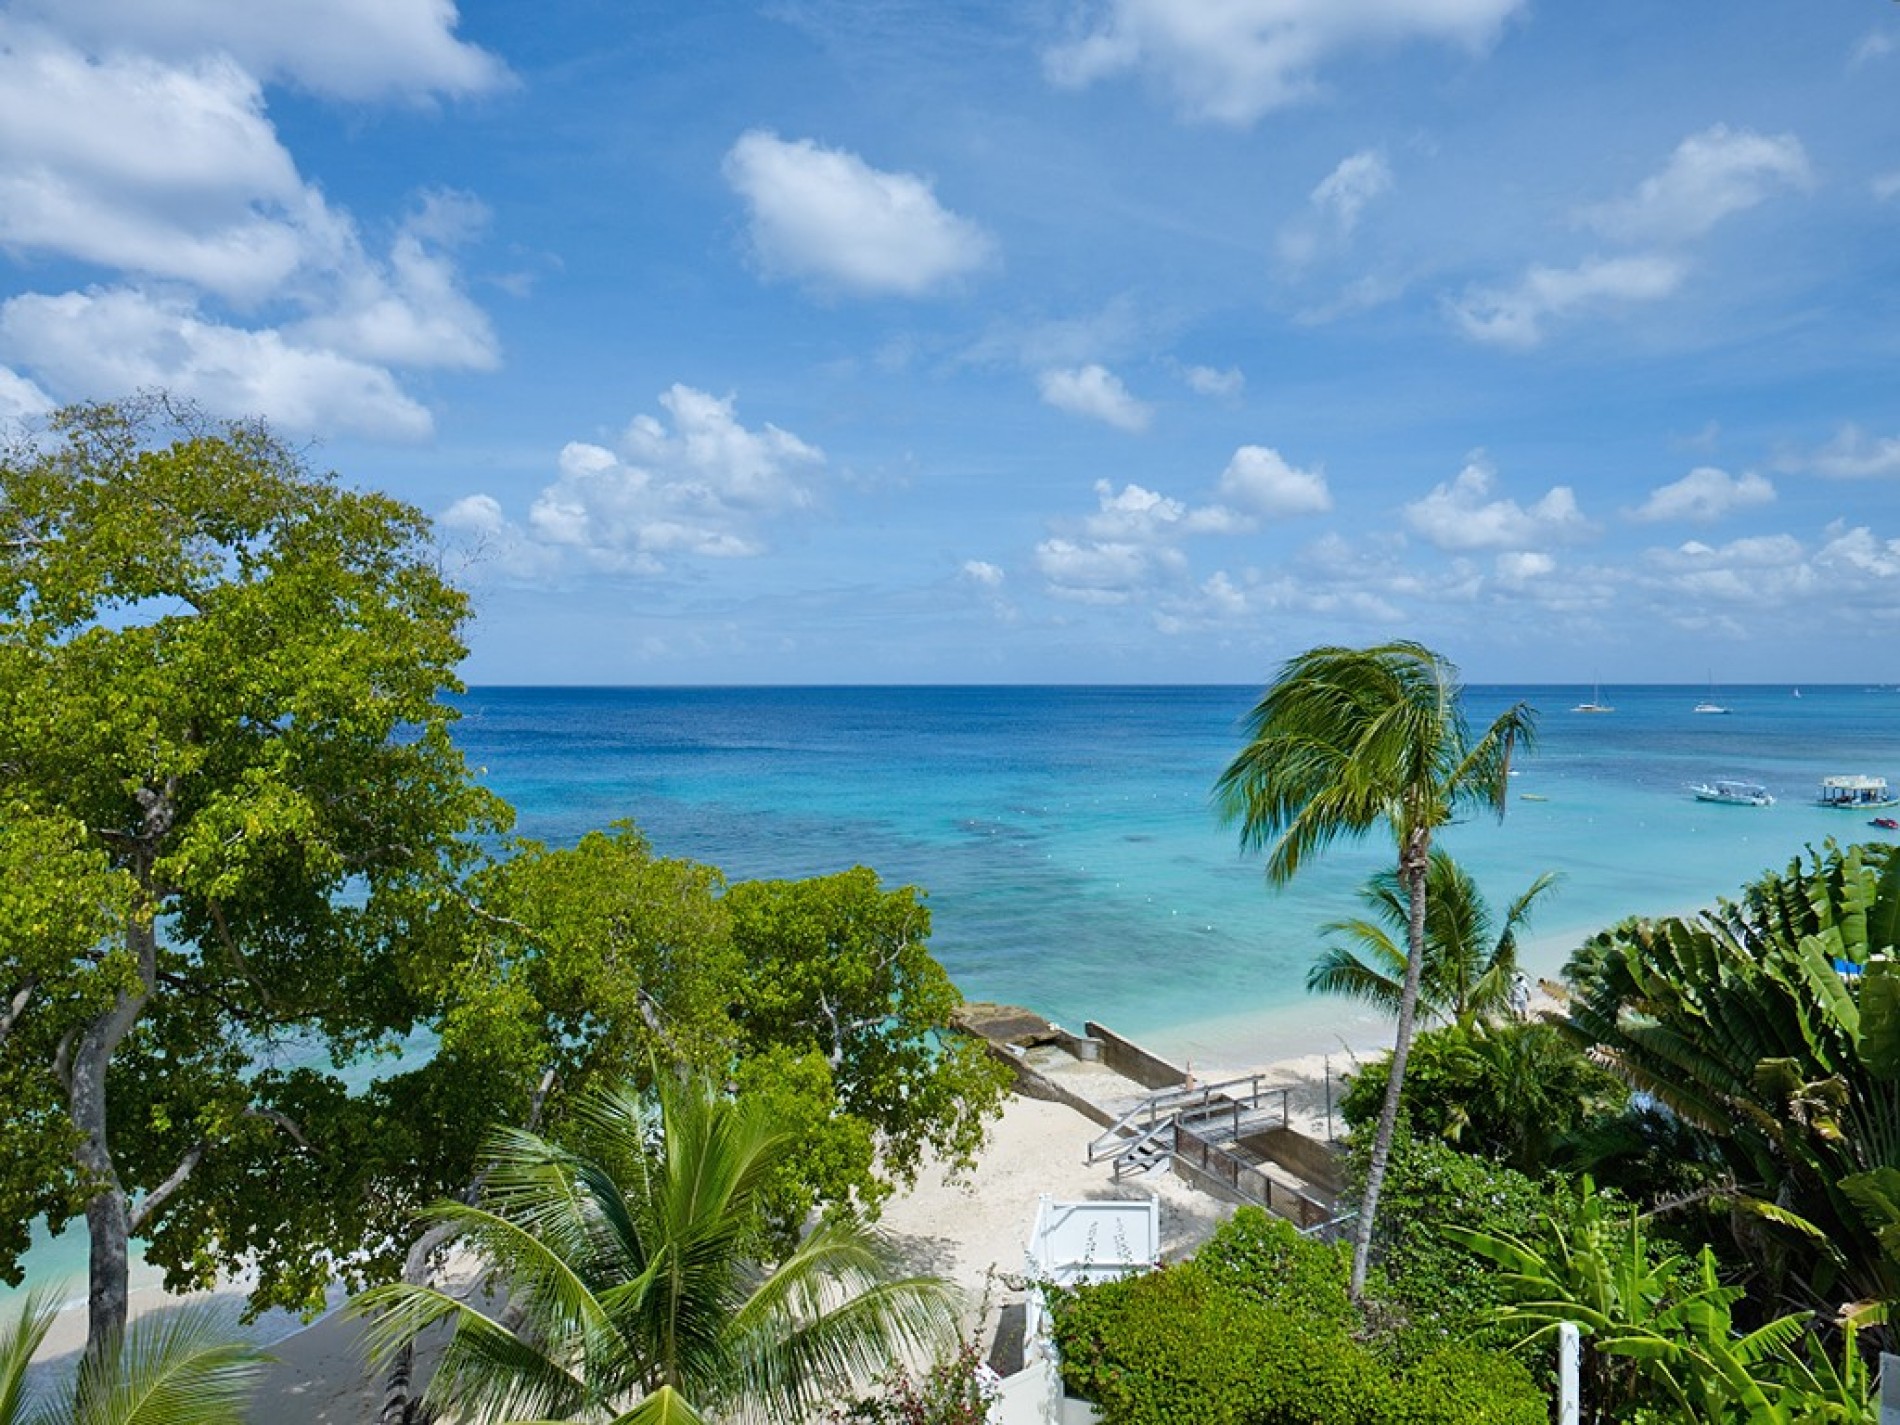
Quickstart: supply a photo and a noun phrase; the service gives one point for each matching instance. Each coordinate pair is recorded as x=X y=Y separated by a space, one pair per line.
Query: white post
x=1569 y=1348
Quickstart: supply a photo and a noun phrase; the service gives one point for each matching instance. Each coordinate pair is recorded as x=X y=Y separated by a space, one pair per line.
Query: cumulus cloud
x=1096 y=392
x=1096 y=573
x=1516 y=315
x=1207 y=381
x=698 y=484
x=825 y=215
x=1462 y=515
x=1851 y=455
x=1711 y=175
x=20 y=399
x=1521 y=566
x=1233 y=62
x=981 y=571
x=1335 y=206
x=1259 y=478
x=150 y=156
x=1705 y=494
x=1875 y=44
x=1884 y=186
x=116 y=340
x=346 y=49
x=1136 y=514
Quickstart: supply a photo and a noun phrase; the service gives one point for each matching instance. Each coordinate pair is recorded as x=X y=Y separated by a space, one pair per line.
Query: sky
x=930 y=341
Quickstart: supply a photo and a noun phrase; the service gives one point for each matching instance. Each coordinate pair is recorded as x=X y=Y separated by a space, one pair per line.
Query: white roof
x=1856 y=783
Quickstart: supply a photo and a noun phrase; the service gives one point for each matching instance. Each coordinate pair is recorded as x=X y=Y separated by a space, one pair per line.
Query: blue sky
x=1118 y=341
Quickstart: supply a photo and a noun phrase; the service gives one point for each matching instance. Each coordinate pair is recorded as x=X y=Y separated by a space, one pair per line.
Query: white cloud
x=1234 y=61
x=1515 y=316
x=1136 y=515
x=1704 y=494
x=1852 y=455
x=1093 y=573
x=825 y=214
x=133 y=164
x=110 y=341
x=1711 y=175
x=1885 y=186
x=347 y=49
x=1259 y=478
x=1096 y=392
x=410 y=310
x=1207 y=381
x=702 y=485
x=1518 y=567
x=1858 y=553
x=1462 y=515
x=20 y=399
x=1875 y=44
x=1343 y=194
x=981 y=571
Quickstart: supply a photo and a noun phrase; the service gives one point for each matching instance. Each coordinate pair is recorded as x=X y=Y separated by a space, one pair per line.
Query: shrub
x=1258 y=1330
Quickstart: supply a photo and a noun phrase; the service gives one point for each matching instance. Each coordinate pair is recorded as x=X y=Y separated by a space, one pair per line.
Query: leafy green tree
x=221 y=726
x=1517 y=1093
x=172 y=1370
x=1771 y=1025
x=1348 y=739
x=634 y=1293
x=1470 y=959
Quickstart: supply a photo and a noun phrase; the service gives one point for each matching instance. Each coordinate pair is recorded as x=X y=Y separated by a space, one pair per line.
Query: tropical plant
x=1518 y=1093
x=174 y=1369
x=628 y=1266
x=1348 y=739
x=1772 y=1026
x=1661 y=1327
x=1470 y=958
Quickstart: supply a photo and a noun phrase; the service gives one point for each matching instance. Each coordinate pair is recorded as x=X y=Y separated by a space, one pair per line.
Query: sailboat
x=1709 y=704
x=1596 y=703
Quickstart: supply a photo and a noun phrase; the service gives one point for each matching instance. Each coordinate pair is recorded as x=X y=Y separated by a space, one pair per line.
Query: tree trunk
x=108 y=1216
x=1414 y=856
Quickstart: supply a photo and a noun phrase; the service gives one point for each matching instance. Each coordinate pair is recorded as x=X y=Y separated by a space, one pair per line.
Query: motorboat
x=1885 y=823
x=1726 y=791
x=1856 y=793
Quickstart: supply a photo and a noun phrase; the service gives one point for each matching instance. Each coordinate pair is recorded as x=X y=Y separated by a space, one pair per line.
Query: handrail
x=1177 y=1099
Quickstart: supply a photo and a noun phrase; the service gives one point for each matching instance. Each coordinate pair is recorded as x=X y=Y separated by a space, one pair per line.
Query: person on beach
x=1520 y=996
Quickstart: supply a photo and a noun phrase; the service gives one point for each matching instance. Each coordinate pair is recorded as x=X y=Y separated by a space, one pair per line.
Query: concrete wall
x=1131 y=1061
x=1306 y=1157
x=1031 y=1084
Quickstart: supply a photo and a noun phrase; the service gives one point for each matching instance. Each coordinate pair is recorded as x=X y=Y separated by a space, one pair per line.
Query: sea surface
x=1068 y=846
x=1066 y=841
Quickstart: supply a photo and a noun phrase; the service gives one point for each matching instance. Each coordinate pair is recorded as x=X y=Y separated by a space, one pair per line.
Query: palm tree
x=174 y=1369
x=628 y=1269
x=1467 y=971
x=1346 y=739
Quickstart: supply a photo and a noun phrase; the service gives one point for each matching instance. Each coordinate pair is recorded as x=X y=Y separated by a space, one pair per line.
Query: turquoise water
x=1073 y=862
x=1068 y=846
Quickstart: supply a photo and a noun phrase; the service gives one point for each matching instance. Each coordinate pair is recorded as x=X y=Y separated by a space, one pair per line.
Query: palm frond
x=176 y=1369
x=19 y=1340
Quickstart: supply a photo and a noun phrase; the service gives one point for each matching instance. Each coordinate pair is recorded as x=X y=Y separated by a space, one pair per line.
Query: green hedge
x=1258 y=1330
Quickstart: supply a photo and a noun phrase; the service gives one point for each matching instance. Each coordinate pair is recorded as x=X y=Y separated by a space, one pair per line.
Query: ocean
x=1072 y=860
x=1067 y=845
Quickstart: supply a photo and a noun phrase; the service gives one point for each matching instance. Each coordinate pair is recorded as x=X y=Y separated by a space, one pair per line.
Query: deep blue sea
x=1070 y=854
x=1068 y=847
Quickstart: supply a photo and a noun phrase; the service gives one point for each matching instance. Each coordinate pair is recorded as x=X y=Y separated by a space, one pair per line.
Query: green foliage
x=1516 y=1093
x=174 y=1369
x=232 y=807
x=1434 y=1291
x=1738 y=1022
x=626 y=1260
x=1469 y=958
x=1660 y=1327
x=1259 y=1330
x=950 y=1392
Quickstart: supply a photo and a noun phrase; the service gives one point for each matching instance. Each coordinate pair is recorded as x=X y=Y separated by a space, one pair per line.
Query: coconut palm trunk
x=1413 y=862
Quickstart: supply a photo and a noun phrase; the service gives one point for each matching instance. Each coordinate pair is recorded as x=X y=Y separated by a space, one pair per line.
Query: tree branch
x=16 y=1008
x=157 y=1197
